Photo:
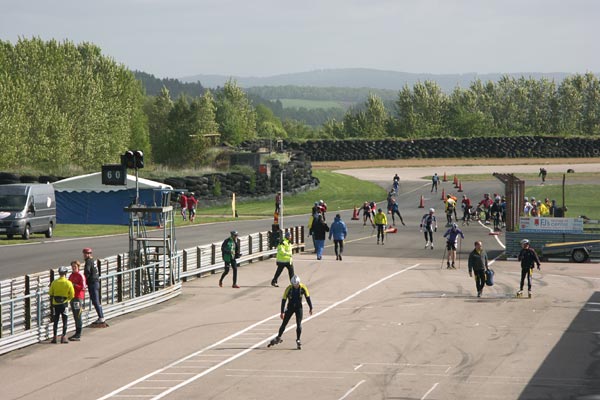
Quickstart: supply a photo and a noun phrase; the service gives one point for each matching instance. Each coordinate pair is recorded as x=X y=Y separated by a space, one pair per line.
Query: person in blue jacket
x=339 y=232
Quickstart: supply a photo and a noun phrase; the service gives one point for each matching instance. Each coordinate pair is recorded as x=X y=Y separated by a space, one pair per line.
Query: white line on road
x=352 y=389
x=429 y=391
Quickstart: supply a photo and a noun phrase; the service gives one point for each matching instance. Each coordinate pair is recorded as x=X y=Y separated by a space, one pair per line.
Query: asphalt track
x=388 y=323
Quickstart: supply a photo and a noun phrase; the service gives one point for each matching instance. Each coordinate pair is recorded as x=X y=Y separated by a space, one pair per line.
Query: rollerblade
x=529 y=294
x=453 y=267
x=520 y=293
x=427 y=244
x=274 y=341
x=447 y=264
x=298 y=344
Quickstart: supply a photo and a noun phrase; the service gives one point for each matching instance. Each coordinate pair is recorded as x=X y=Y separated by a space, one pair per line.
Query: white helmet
x=295 y=280
x=454 y=225
x=524 y=241
x=431 y=210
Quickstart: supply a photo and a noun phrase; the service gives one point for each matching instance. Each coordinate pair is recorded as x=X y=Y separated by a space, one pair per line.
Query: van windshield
x=12 y=202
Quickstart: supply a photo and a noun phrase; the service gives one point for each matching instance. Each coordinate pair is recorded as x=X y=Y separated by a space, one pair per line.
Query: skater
x=293 y=296
x=284 y=259
x=478 y=264
x=396 y=211
x=381 y=223
x=452 y=235
x=543 y=174
x=435 y=179
x=366 y=210
x=319 y=230
x=528 y=258
x=450 y=208
x=466 y=207
x=428 y=226
x=496 y=213
x=396 y=184
x=230 y=251
x=339 y=232
x=61 y=292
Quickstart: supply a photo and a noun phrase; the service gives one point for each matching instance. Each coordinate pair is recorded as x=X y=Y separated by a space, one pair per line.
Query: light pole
x=281 y=201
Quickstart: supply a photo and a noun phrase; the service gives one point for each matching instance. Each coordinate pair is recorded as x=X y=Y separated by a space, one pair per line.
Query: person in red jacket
x=191 y=205
x=78 y=281
x=183 y=204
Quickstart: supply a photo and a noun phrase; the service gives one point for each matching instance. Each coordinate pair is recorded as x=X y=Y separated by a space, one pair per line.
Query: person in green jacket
x=61 y=293
x=230 y=251
x=284 y=259
x=381 y=222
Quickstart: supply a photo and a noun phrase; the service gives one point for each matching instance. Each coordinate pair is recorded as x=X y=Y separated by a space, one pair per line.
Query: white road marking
x=352 y=389
x=116 y=393
x=429 y=391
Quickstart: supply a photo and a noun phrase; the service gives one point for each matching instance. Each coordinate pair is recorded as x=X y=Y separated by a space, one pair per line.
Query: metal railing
x=25 y=305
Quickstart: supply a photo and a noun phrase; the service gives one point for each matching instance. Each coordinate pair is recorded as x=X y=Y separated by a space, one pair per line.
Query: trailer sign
x=551 y=225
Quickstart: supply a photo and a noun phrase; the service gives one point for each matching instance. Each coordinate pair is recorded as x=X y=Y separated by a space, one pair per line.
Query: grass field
x=310 y=104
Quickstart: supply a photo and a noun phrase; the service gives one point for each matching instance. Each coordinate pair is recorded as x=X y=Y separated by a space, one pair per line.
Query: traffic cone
x=355 y=214
x=422 y=202
x=443 y=194
x=460 y=186
x=445 y=178
x=455 y=182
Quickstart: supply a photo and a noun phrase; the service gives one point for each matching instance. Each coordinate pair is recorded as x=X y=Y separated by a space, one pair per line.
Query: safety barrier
x=25 y=305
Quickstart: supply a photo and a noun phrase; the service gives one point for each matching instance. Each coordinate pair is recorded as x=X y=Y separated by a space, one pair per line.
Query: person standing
x=284 y=259
x=428 y=226
x=543 y=174
x=435 y=179
x=92 y=277
x=61 y=292
x=230 y=251
x=366 y=210
x=529 y=259
x=78 y=281
x=451 y=236
x=466 y=207
x=191 y=205
x=319 y=230
x=278 y=203
x=450 y=208
x=478 y=264
x=183 y=204
x=293 y=297
x=381 y=223
x=396 y=211
x=339 y=232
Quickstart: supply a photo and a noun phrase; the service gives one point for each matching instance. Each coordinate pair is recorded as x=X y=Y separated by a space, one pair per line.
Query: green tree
x=157 y=110
x=235 y=115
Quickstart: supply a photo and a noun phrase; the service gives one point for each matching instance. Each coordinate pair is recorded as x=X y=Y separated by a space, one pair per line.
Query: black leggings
x=280 y=267
x=526 y=273
x=233 y=264
x=286 y=319
x=428 y=232
x=339 y=243
x=380 y=231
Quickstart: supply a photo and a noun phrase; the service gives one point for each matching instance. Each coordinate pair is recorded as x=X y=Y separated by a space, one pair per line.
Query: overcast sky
x=177 y=38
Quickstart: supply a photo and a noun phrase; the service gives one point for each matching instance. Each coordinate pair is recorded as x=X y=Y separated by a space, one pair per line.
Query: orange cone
x=422 y=202
x=460 y=186
x=445 y=178
x=355 y=214
x=455 y=182
x=443 y=194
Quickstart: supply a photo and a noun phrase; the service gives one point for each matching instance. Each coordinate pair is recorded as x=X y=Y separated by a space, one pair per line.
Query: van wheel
x=49 y=232
x=27 y=232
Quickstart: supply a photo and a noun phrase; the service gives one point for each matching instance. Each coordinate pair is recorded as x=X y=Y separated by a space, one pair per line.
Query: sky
x=180 y=38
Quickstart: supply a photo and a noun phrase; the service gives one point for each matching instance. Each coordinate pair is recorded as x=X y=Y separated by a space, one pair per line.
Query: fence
x=25 y=305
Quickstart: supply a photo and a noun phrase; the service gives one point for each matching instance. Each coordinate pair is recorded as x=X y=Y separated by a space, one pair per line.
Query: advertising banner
x=551 y=225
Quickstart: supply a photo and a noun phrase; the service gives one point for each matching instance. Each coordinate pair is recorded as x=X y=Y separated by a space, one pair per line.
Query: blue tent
x=85 y=200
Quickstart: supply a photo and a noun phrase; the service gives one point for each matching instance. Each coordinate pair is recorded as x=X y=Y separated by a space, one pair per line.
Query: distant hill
x=364 y=78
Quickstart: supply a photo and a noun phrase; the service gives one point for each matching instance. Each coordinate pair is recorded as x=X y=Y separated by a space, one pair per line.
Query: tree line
x=67 y=104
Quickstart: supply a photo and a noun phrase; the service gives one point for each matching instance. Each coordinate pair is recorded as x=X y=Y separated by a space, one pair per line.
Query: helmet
x=524 y=241
x=288 y=235
x=431 y=210
x=447 y=196
x=454 y=226
x=63 y=270
x=526 y=198
x=380 y=210
x=233 y=233
x=295 y=280
x=497 y=198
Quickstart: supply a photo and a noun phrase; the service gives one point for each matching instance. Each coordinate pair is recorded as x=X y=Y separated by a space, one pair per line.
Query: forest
x=65 y=104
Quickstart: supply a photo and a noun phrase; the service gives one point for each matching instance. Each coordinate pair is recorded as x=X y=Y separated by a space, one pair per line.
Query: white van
x=27 y=208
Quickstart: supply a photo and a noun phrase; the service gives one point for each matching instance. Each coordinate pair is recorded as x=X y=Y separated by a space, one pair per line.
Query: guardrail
x=25 y=305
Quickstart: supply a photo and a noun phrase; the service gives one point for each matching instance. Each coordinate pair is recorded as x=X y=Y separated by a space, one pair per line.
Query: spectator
x=79 y=285
x=543 y=173
x=183 y=204
x=319 y=230
x=61 y=292
x=191 y=205
x=284 y=259
x=92 y=277
x=381 y=223
x=339 y=232
x=278 y=203
x=528 y=258
x=478 y=264
x=230 y=252
x=435 y=179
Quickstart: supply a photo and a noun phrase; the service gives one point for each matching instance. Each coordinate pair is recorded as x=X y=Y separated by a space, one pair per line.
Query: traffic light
x=129 y=159
x=133 y=159
x=139 y=159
